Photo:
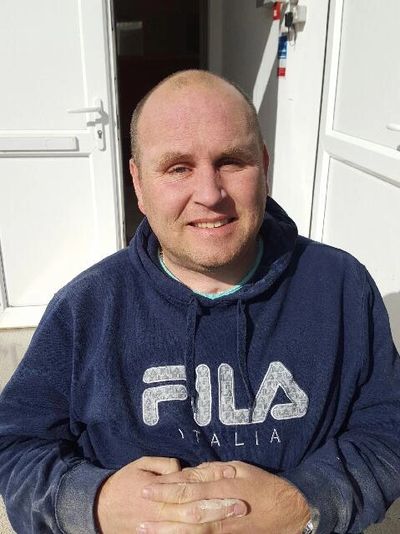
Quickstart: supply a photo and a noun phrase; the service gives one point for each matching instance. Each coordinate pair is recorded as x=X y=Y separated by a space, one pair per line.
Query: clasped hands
x=155 y=496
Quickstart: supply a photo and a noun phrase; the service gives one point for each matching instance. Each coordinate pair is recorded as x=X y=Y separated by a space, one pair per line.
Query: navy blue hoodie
x=295 y=373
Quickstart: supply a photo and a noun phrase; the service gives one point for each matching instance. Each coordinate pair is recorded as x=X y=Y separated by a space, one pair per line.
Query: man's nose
x=209 y=189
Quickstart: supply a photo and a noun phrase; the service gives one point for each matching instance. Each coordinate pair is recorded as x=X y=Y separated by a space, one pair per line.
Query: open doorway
x=154 y=38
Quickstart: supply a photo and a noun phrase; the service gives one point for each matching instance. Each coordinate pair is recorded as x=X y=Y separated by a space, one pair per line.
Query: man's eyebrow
x=247 y=152
x=171 y=157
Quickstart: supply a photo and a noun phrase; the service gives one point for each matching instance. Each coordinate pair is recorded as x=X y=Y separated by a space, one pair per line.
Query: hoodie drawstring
x=191 y=325
x=241 y=350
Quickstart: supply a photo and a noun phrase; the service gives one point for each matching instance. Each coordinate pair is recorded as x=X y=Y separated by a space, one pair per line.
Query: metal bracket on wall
x=261 y=3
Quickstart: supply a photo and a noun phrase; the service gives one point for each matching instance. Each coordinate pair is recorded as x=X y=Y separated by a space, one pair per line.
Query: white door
x=357 y=194
x=60 y=194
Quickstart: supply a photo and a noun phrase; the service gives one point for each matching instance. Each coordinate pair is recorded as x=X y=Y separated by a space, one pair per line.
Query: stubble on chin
x=212 y=263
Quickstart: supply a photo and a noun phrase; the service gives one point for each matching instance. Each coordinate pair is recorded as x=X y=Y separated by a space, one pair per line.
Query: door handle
x=393 y=126
x=99 y=125
x=97 y=108
x=94 y=109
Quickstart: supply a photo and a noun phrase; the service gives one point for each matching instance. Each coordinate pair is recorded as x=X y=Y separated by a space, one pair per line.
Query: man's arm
x=354 y=477
x=43 y=476
x=47 y=484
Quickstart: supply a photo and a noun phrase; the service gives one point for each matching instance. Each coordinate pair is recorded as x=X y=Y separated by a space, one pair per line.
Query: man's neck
x=218 y=281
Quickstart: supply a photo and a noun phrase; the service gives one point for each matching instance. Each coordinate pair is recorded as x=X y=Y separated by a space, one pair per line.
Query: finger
x=204 y=511
x=159 y=465
x=182 y=492
x=234 y=465
x=208 y=472
x=205 y=465
x=181 y=528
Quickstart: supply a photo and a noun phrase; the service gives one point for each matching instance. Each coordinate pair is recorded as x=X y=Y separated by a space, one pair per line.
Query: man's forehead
x=192 y=103
x=198 y=121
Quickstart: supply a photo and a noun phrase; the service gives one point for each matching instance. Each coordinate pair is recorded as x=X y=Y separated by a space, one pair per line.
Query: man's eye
x=178 y=169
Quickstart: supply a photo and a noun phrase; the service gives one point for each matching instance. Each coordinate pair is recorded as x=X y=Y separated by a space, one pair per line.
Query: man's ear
x=134 y=170
x=266 y=165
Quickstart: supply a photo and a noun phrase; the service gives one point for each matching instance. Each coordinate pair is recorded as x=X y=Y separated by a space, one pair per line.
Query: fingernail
x=229 y=472
x=147 y=493
x=141 y=529
x=236 y=508
x=239 y=510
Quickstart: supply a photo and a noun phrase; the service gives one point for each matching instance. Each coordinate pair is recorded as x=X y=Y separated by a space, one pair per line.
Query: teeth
x=211 y=224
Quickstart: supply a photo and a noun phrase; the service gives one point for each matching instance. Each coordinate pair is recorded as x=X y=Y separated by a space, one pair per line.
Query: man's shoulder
x=104 y=278
x=327 y=261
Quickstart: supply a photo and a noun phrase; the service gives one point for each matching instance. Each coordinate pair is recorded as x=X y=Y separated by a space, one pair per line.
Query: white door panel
x=357 y=189
x=41 y=253
x=375 y=159
x=368 y=84
x=43 y=62
x=367 y=223
x=60 y=191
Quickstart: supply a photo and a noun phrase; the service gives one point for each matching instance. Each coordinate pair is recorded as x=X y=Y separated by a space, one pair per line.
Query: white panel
x=42 y=69
x=33 y=144
x=47 y=225
x=368 y=90
x=362 y=217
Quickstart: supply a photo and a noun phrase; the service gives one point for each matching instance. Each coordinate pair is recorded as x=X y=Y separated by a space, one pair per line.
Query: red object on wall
x=277 y=11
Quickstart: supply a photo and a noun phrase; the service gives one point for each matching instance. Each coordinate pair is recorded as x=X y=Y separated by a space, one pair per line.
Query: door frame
x=323 y=158
x=115 y=139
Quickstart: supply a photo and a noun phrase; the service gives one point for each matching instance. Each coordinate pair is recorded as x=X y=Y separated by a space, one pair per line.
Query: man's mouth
x=215 y=224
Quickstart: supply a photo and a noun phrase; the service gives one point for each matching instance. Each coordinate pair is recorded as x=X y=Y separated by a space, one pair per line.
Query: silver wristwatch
x=309 y=528
x=312 y=525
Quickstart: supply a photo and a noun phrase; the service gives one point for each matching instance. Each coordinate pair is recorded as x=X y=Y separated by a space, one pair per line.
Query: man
x=222 y=374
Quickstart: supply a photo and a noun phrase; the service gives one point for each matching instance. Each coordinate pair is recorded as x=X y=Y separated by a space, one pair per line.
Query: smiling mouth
x=215 y=224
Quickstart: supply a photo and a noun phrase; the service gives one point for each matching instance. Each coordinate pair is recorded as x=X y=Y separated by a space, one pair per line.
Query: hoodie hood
x=279 y=234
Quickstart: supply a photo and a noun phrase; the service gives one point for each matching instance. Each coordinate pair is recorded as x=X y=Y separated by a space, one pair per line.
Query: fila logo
x=277 y=376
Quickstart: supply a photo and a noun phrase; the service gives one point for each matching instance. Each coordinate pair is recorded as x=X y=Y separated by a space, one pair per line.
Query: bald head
x=190 y=81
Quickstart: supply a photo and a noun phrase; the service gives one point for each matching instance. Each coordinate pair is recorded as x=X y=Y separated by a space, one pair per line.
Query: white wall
x=243 y=42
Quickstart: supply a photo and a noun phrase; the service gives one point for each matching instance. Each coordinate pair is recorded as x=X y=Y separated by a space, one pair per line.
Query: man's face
x=201 y=178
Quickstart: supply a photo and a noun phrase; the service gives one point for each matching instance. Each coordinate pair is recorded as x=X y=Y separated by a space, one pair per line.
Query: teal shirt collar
x=233 y=289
